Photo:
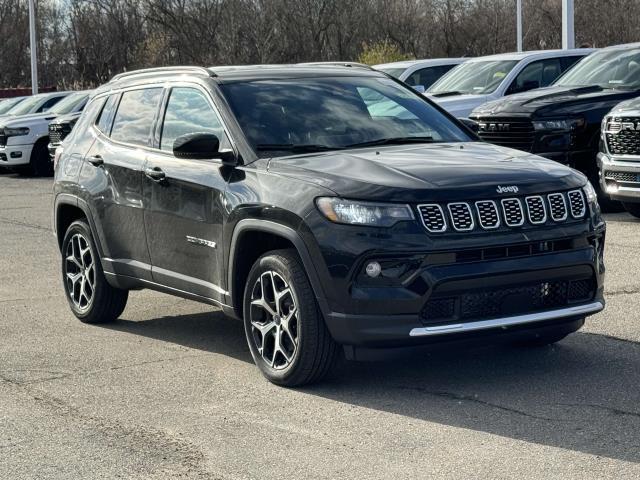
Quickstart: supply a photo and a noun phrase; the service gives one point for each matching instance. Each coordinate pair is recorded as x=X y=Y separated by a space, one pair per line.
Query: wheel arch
x=68 y=209
x=259 y=237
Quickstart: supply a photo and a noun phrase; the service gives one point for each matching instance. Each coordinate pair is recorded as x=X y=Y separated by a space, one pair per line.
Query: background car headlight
x=565 y=125
x=16 y=132
x=363 y=213
x=591 y=194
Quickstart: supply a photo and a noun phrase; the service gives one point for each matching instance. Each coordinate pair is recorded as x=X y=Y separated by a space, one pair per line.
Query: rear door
x=113 y=175
x=184 y=198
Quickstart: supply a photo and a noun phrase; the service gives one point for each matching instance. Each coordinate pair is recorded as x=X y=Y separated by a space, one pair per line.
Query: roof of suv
x=427 y=62
x=533 y=53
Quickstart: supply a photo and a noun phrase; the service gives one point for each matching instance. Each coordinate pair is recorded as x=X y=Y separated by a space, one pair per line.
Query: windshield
x=327 y=113
x=7 y=105
x=394 y=72
x=474 y=77
x=69 y=104
x=607 y=69
x=26 y=106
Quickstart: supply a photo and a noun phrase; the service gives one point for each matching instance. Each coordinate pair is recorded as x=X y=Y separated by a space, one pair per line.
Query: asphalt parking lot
x=170 y=390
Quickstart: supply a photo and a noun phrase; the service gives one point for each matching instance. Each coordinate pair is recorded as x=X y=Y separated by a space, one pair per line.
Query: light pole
x=568 y=36
x=34 y=49
x=519 y=23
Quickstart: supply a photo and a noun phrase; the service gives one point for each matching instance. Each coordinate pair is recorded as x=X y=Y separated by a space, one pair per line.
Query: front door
x=184 y=200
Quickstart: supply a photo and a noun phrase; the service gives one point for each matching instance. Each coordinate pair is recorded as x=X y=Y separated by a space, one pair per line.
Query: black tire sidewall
x=632 y=208
x=308 y=314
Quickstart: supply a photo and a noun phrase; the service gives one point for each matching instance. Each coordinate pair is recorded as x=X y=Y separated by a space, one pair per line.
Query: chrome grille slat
x=512 y=211
x=488 y=215
x=432 y=217
x=536 y=210
x=461 y=216
x=622 y=135
x=577 y=205
x=557 y=207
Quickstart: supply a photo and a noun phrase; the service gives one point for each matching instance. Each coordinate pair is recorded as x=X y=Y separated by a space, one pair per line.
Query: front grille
x=509 y=132
x=627 y=177
x=58 y=132
x=623 y=135
x=577 y=204
x=558 y=207
x=461 y=217
x=3 y=138
x=506 y=301
x=432 y=217
x=488 y=214
x=536 y=210
x=512 y=210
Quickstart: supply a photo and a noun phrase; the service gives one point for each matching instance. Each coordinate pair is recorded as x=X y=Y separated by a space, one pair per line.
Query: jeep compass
x=331 y=209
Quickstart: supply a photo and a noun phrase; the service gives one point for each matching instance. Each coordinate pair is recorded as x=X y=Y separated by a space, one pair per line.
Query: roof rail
x=337 y=64
x=145 y=71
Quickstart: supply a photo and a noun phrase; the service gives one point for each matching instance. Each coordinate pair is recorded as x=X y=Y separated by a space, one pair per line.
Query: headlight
x=591 y=194
x=16 y=132
x=564 y=125
x=363 y=213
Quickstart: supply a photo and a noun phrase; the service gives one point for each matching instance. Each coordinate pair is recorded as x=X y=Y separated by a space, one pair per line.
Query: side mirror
x=419 y=88
x=470 y=124
x=202 y=146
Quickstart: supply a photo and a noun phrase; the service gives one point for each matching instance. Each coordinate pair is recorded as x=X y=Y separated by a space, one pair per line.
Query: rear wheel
x=90 y=296
x=633 y=209
x=287 y=336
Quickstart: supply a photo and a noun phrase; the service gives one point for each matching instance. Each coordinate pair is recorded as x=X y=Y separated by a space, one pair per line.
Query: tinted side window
x=188 y=111
x=536 y=74
x=103 y=122
x=568 y=62
x=87 y=118
x=134 y=118
x=49 y=103
x=427 y=76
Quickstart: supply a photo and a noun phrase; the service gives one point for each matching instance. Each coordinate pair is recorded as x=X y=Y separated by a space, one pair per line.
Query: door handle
x=96 y=160
x=156 y=174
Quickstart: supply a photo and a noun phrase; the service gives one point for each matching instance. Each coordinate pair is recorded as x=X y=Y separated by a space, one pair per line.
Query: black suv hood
x=555 y=102
x=432 y=172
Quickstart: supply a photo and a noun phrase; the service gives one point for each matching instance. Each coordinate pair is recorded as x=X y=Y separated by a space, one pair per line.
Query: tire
x=90 y=296
x=632 y=208
x=40 y=164
x=304 y=352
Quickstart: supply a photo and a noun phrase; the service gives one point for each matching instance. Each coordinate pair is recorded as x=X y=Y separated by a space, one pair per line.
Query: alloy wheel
x=80 y=272
x=274 y=320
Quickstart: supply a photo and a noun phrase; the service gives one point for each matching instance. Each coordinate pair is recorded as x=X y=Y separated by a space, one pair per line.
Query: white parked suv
x=480 y=80
x=24 y=138
x=420 y=74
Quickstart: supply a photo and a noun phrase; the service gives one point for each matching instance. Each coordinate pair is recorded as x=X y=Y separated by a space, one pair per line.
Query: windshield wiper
x=447 y=94
x=391 y=141
x=291 y=147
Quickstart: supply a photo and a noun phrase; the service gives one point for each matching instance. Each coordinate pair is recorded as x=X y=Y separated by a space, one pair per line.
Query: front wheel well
x=250 y=246
x=65 y=216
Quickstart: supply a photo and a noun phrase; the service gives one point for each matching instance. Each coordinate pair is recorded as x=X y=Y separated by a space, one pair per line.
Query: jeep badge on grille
x=509 y=189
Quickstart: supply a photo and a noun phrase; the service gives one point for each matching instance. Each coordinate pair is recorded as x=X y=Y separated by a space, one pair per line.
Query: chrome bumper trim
x=587 y=309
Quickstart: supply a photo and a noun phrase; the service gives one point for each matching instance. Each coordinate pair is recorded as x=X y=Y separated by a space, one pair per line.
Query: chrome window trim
x=468 y=207
x=504 y=212
x=444 y=218
x=544 y=208
x=495 y=205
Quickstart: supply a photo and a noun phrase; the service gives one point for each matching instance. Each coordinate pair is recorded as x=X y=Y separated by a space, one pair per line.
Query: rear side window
x=427 y=76
x=537 y=74
x=568 y=62
x=103 y=122
x=188 y=111
x=49 y=103
x=91 y=110
x=134 y=118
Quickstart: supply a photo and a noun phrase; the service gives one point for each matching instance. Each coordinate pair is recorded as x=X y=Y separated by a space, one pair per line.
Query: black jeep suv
x=324 y=206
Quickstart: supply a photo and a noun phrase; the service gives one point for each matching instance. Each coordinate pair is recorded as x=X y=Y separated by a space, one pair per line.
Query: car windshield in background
x=473 y=78
x=316 y=114
x=606 y=69
x=9 y=104
x=394 y=72
x=26 y=106
x=69 y=104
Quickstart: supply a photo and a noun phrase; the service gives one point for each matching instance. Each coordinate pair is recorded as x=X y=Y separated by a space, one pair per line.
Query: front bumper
x=15 y=155
x=619 y=177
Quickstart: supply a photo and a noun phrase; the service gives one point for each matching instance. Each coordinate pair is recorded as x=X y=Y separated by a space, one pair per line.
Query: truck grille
x=622 y=135
x=625 y=177
x=515 y=133
x=58 y=132
x=496 y=302
x=513 y=212
x=3 y=138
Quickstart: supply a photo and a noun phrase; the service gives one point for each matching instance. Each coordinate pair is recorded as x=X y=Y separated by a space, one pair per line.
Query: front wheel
x=633 y=209
x=90 y=296
x=287 y=336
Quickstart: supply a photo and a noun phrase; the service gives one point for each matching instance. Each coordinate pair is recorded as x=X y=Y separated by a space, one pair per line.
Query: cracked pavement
x=170 y=391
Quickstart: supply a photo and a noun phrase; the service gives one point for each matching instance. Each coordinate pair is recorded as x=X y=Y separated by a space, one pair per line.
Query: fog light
x=373 y=269
x=16 y=154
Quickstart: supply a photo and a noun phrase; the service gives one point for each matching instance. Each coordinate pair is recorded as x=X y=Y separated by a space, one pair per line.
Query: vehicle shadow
x=582 y=394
